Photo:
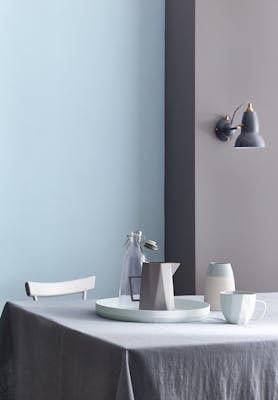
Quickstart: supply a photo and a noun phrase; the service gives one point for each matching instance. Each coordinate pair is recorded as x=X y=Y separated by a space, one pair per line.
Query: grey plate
x=185 y=311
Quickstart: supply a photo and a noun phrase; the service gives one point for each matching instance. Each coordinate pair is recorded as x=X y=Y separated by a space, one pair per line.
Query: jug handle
x=130 y=285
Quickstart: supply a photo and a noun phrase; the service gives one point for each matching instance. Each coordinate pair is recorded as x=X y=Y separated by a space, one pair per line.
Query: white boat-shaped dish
x=185 y=311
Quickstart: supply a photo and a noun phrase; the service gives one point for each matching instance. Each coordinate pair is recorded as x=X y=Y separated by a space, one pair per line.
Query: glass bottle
x=132 y=266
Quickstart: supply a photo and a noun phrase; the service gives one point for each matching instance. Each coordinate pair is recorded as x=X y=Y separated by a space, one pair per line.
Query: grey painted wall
x=180 y=141
x=81 y=137
x=237 y=190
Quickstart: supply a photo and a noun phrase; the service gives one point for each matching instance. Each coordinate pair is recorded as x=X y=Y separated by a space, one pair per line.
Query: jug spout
x=175 y=266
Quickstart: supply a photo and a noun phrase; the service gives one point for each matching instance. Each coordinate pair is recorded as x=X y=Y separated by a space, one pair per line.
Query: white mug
x=238 y=306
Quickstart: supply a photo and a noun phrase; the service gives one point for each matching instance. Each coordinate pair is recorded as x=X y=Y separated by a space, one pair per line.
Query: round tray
x=185 y=311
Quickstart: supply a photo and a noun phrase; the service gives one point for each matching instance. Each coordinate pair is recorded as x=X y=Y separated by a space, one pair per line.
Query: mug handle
x=264 y=311
x=130 y=285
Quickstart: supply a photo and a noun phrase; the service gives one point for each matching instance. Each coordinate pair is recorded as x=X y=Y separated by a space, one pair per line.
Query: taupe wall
x=237 y=190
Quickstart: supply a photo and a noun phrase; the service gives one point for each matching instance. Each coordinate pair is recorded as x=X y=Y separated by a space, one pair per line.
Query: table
x=62 y=350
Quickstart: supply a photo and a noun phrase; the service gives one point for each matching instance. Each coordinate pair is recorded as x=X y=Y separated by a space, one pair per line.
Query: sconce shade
x=250 y=136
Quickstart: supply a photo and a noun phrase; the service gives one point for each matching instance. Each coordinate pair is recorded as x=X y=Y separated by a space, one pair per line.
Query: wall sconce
x=249 y=135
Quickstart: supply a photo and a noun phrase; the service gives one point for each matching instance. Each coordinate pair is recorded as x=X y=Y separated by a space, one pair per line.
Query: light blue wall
x=81 y=137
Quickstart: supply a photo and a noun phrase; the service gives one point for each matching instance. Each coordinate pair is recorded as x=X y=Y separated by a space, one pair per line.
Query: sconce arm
x=233 y=128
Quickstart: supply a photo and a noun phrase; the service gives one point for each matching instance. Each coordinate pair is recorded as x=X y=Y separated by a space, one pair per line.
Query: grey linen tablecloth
x=62 y=350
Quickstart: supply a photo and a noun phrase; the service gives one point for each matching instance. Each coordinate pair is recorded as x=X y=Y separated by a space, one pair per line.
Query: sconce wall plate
x=223 y=129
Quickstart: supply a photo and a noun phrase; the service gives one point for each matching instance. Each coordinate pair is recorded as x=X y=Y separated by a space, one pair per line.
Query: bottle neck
x=135 y=237
x=133 y=241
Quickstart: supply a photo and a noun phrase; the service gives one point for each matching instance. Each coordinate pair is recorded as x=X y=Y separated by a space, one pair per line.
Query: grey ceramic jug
x=157 y=291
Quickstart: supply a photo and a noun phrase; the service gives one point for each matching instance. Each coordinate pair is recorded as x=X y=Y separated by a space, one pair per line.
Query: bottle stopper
x=151 y=244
